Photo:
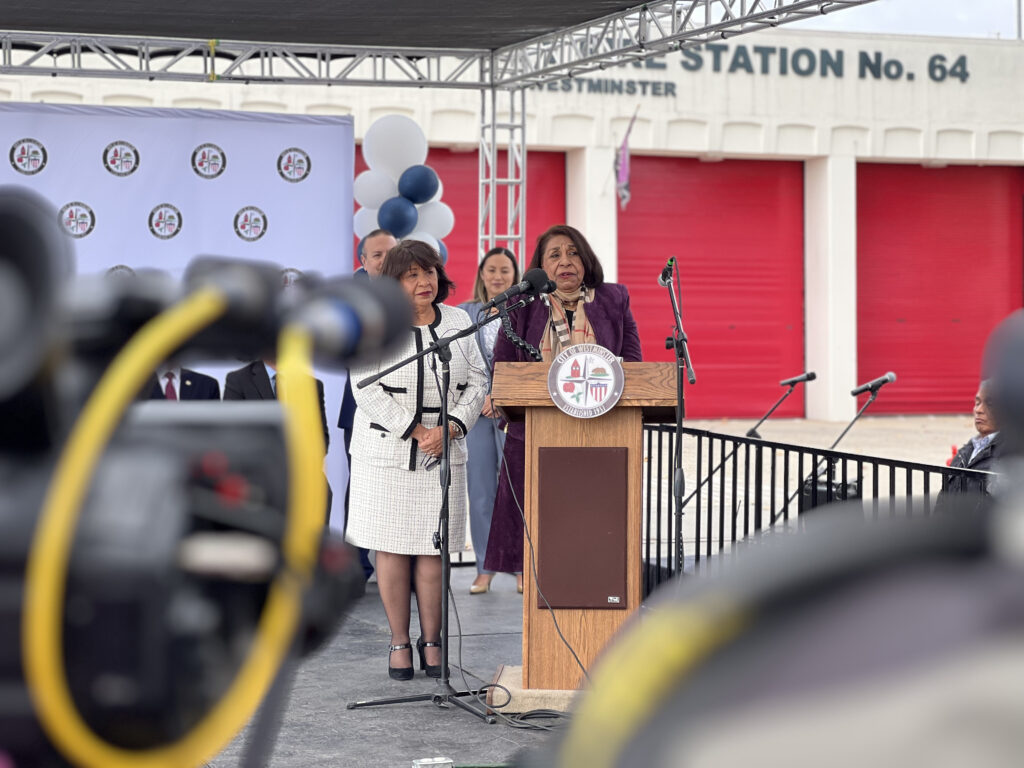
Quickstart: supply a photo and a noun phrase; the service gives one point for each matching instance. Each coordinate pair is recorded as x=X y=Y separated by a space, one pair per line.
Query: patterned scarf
x=557 y=334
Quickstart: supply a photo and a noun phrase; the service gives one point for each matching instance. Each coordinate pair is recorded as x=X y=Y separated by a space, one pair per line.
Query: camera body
x=181 y=536
x=174 y=552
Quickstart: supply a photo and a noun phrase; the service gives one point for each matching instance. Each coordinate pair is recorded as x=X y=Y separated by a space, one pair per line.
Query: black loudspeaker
x=35 y=263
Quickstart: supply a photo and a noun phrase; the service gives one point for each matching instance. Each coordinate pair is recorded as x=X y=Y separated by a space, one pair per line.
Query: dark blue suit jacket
x=253 y=383
x=193 y=386
x=348 y=402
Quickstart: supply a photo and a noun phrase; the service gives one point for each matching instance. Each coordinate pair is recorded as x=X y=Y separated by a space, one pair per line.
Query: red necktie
x=169 y=392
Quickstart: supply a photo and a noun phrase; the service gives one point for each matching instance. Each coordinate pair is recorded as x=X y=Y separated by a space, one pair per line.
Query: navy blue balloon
x=398 y=216
x=418 y=183
x=442 y=251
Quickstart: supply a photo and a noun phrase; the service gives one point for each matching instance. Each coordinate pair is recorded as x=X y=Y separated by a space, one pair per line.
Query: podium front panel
x=547 y=663
x=582 y=512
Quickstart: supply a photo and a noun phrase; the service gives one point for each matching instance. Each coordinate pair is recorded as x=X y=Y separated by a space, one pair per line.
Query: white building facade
x=843 y=203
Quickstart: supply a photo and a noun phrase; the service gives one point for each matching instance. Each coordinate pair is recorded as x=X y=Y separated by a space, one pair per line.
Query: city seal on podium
x=585 y=380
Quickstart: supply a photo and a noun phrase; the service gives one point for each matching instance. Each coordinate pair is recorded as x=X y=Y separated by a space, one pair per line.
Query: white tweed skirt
x=395 y=510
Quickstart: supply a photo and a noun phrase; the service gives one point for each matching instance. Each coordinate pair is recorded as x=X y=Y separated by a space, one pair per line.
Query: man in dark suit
x=173 y=382
x=255 y=381
x=982 y=451
x=371 y=252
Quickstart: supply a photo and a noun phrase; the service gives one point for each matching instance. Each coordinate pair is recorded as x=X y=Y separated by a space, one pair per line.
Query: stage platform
x=318 y=729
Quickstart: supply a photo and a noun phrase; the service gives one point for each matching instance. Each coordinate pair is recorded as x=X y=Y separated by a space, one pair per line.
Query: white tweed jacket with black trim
x=389 y=410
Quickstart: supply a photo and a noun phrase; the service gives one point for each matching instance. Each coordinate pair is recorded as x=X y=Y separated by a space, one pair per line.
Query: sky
x=959 y=18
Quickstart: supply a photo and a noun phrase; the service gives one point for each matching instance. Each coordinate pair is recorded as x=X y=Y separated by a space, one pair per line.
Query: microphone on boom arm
x=534 y=282
x=809 y=376
x=873 y=386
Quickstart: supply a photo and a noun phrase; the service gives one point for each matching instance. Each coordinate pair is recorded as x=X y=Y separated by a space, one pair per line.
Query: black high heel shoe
x=400 y=673
x=431 y=670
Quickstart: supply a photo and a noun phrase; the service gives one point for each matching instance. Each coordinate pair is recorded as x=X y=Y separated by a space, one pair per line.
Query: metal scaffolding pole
x=502 y=127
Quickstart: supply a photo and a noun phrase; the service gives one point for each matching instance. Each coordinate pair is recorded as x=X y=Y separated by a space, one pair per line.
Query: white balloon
x=424 y=237
x=371 y=188
x=440 y=191
x=393 y=143
x=364 y=222
x=437 y=219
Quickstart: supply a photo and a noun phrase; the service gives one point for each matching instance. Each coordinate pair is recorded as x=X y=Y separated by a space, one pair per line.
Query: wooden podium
x=583 y=507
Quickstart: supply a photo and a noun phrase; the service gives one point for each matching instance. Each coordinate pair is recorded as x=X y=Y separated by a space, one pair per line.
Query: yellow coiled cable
x=47 y=568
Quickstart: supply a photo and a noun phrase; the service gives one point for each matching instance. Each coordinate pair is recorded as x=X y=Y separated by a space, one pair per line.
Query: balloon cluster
x=398 y=193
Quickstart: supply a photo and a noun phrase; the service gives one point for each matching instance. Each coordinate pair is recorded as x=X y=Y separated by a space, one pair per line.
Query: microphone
x=666 y=273
x=809 y=376
x=349 y=319
x=534 y=282
x=873 y=385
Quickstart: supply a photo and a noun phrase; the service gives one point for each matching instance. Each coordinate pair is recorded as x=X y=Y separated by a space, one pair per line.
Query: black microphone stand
x=752 y=432
x=814 y=472
x=677 y=343
x=442 y=349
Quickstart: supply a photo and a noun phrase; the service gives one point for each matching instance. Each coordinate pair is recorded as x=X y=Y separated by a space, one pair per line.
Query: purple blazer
x=615 y=329
x=608 y=314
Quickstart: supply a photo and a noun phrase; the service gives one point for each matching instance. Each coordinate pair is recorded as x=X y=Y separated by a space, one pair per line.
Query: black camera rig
x=159 y=563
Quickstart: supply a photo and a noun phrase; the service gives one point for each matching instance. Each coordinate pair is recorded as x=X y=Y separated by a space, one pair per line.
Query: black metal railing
x=738 y=486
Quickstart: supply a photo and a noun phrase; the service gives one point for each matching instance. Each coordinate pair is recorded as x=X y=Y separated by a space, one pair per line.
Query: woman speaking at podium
x=583 y=309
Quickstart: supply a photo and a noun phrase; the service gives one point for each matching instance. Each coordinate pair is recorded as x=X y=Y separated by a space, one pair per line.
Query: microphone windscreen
x=538 y=280
x=811 y=375
x=37 y=260
x=354 y=320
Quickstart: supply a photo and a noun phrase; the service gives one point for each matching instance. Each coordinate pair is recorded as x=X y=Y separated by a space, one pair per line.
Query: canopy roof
x=456 y=44
x=397 y=24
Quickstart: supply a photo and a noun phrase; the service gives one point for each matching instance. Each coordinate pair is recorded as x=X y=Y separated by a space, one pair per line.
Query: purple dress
x=615 y=329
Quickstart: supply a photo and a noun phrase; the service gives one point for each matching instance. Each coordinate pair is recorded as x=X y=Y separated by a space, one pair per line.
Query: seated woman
x=582 y=310
x=395 y=497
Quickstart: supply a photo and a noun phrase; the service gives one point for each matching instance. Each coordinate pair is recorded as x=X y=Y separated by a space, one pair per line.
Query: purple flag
x=622 y=166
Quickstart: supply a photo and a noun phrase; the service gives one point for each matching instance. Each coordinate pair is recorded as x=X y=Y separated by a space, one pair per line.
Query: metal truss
x=502 y=126
x=645 y=30
x=642 y=31
x=238 y=62
x=502 y=76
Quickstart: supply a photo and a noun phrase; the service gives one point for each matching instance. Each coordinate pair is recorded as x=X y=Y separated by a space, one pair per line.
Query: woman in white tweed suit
x=395 y=491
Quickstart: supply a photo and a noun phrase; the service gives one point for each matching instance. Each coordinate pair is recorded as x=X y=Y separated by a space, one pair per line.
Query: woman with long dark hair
x=497 y=272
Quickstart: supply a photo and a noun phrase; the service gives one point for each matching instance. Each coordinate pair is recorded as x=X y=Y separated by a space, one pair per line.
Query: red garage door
x=545 y=178
x=939 y=253
x=736 y=229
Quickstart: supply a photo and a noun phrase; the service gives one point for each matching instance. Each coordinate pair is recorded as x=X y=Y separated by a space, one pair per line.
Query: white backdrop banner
x=155 y=187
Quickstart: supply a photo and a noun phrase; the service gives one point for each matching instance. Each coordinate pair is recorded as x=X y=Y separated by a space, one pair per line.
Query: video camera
x=157 y=570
